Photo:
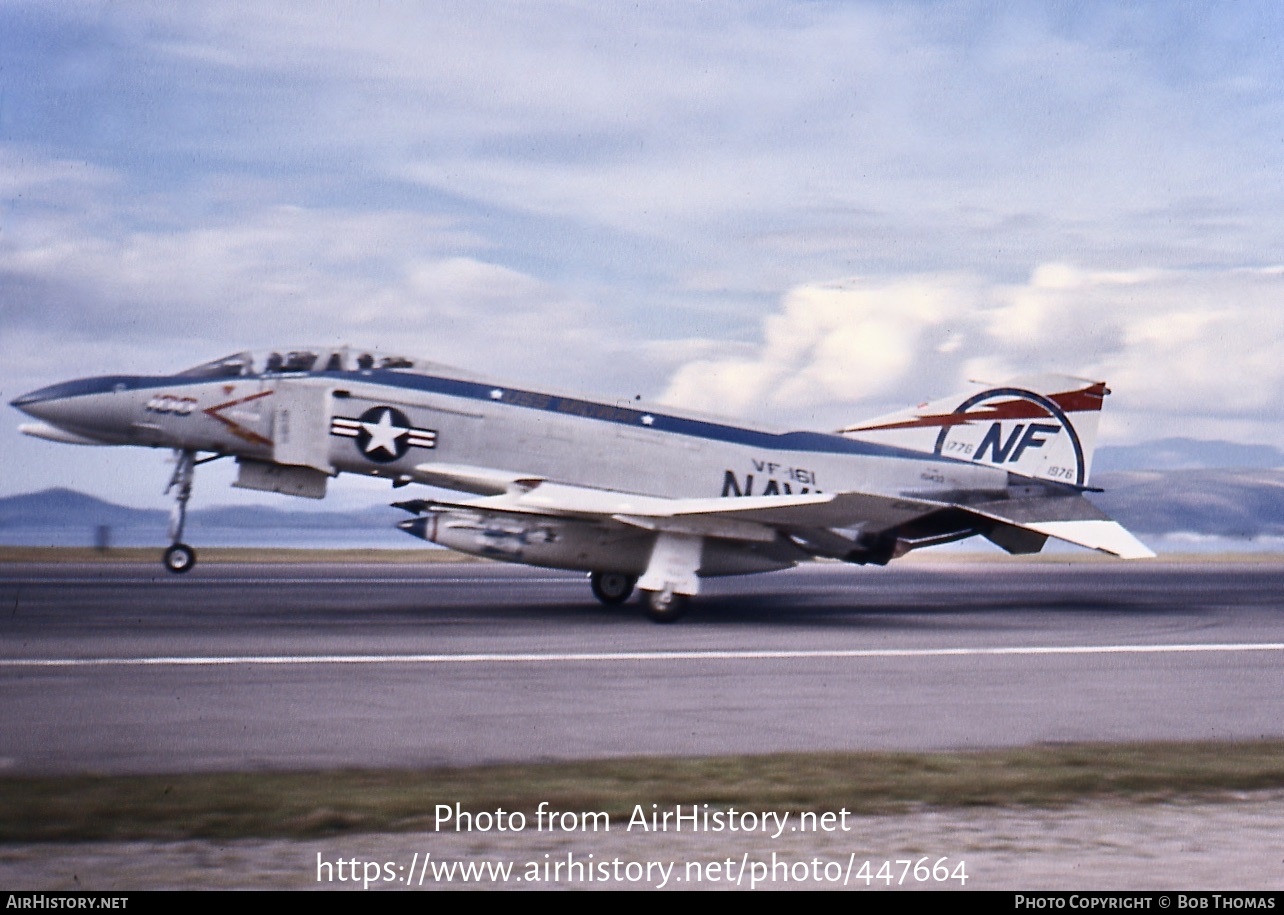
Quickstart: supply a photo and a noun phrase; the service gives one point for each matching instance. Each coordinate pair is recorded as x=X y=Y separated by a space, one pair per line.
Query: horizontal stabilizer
x=1107 y=536
x=1070 y=518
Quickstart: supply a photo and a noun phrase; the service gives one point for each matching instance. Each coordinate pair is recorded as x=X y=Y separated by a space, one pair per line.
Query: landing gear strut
x=671 y=576
x=180 y=557
x=611 y=588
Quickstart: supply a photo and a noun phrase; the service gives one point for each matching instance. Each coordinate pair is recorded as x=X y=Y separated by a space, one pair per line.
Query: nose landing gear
x=180 y=557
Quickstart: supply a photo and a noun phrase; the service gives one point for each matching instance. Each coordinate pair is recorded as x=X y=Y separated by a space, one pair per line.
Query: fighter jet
x=637 y=495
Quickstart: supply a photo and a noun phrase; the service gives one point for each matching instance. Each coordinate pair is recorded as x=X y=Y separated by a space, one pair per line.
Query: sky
x=802 y=212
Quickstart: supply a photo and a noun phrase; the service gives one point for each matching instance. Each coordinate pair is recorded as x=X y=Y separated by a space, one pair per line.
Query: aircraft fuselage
x=628 y=491
x=386 y=423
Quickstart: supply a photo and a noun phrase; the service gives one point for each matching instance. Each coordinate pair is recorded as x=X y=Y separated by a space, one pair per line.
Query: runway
x=124 y=668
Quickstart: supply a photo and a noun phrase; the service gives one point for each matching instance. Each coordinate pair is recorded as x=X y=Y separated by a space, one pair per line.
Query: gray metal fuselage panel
x=657 y=452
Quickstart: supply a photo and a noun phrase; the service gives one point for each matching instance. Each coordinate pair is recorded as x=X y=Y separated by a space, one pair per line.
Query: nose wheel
x=179 y=558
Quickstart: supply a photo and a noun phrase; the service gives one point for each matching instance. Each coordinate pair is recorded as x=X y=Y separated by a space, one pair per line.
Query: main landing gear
x=666 y=606
x=667 y=584
x=671 y=576
x=611 y=588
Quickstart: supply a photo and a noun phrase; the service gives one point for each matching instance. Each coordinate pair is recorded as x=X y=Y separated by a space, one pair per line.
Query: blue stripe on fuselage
x=814 y=442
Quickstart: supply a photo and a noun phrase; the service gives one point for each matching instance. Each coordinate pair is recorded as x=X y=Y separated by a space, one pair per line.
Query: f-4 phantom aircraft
x=638 y=496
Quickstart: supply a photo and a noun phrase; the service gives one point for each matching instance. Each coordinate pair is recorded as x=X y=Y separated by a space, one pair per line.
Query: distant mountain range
x=1183 y=485
x=50 y=506
x=1240 y=504
x=1187 y=454
x=1172 y=486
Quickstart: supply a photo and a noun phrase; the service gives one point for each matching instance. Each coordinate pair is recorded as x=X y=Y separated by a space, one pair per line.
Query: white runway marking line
x=594 y=657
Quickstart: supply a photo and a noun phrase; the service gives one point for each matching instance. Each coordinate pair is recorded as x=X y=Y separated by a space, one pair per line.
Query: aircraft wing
x=703 y=517
x=756 y=518
x=1018 y=525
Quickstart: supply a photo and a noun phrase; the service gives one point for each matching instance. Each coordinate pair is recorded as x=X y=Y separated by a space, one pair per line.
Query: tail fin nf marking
x=994 y=441
x=1022 y=439
x=1043 y=427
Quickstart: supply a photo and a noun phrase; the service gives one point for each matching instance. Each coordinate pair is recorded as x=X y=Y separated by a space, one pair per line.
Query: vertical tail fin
x=1043 y=427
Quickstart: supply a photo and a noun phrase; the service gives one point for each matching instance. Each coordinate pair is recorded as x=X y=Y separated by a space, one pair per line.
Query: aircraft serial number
x=168 y=403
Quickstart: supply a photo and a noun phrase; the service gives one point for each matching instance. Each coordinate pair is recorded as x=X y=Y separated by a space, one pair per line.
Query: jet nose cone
x=70 y=404
x=29 y=403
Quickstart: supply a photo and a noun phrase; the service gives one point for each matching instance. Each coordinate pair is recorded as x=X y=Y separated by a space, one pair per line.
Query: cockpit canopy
x=303 y=359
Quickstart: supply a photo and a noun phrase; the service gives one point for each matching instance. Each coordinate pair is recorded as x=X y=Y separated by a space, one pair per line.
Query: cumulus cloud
x=127 y=293
x=842 y=341
x=1189 y=350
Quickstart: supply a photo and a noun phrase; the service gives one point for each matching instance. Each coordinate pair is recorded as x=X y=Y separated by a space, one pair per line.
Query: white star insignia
x=648 y=420
x=383 y=434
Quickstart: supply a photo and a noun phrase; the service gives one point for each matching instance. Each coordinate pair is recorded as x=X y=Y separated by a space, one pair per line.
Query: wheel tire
x=611 y=588
x=179 y=558
x=666 y=608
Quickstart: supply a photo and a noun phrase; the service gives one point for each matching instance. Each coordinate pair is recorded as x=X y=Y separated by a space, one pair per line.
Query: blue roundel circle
x=383 y=434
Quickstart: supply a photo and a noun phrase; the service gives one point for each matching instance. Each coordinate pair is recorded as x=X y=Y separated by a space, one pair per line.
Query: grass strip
x=311 y=804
